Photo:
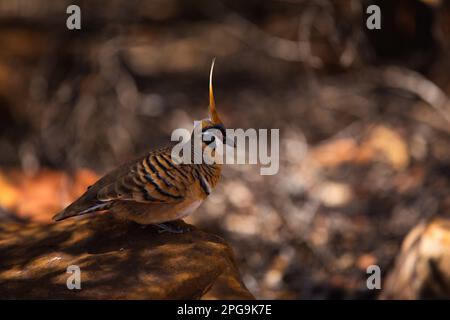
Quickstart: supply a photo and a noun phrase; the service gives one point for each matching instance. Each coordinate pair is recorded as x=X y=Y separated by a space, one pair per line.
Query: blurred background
x=363 y=116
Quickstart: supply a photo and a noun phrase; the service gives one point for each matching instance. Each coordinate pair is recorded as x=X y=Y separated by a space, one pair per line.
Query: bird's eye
x=208 y=137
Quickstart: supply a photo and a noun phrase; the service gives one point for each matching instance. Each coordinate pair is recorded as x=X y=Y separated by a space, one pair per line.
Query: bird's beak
x=213 y=115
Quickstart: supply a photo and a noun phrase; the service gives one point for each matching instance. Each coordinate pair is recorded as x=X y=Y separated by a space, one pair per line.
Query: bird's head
x=211 y=128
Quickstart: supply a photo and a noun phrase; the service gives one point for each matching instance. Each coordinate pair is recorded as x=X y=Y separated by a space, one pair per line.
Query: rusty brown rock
x=118 y=260
x=422 y=269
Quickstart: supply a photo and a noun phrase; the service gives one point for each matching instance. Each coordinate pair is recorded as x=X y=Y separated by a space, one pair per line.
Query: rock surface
x=118 y=260
x=422 y=269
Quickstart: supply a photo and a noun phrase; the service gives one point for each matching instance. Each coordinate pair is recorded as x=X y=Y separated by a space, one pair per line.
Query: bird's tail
x=73 y=210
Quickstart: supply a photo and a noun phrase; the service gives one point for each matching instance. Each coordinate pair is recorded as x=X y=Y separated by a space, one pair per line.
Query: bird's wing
x=152 y=179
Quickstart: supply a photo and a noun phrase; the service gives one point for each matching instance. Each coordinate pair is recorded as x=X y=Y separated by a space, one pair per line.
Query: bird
x=154 y=188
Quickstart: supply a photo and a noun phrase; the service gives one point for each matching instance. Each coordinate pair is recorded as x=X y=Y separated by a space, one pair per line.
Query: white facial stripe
x=207 y=135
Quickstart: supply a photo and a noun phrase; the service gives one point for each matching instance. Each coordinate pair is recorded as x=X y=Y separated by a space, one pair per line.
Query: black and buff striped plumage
x=152 y=189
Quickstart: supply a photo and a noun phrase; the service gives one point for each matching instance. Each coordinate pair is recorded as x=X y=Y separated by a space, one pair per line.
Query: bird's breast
x=190 y=208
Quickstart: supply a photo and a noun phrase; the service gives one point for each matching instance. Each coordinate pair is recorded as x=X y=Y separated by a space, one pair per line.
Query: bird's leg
x=166 y=227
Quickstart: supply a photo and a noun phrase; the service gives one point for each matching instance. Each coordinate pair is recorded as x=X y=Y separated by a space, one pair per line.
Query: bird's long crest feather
x=212 y=104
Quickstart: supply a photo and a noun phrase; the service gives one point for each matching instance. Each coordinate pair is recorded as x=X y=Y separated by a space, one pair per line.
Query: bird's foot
x=166 y=227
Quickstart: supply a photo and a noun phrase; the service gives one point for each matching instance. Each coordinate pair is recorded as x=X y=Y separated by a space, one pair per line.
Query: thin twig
x=415 y=83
